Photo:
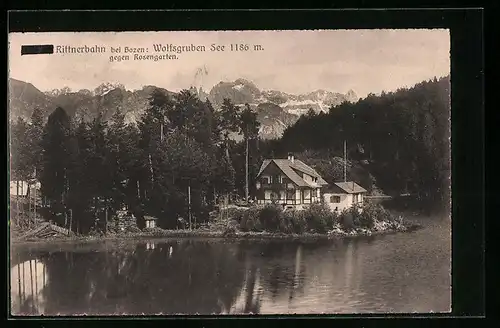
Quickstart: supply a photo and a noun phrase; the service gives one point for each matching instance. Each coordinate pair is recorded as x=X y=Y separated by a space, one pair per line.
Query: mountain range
x=276 y=110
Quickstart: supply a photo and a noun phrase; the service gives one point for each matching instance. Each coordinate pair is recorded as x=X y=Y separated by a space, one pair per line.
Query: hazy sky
x=292 y=61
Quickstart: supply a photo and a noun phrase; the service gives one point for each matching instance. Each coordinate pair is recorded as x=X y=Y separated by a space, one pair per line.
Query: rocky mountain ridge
x=276 y=110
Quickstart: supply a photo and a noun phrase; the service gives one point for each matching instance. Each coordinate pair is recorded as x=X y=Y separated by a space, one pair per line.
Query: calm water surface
x=391 y=273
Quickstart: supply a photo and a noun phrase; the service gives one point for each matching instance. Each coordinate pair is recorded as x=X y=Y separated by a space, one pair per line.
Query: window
x=280 y=179
x=335 y=199
x=307 y=194
x=266 y=180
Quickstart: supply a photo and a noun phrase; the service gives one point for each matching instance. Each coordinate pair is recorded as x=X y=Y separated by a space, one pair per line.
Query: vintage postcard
x=230 y=172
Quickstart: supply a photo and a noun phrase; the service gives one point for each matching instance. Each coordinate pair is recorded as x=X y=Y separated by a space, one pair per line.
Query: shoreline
x=334 y=234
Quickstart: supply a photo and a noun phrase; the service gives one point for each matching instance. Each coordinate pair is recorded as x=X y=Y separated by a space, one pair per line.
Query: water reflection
x=400 y=273
x=28 y=280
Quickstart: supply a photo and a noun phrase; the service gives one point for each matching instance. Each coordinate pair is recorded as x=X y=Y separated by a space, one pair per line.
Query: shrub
x=154 y=231
x=286 y=224
x=296 y=220
x=318 y=217
x=346 y=220
x=377 y=212
x=249 y=220
x=236 y=213
x=230 y=231
x=365 y=216
x=271 y=217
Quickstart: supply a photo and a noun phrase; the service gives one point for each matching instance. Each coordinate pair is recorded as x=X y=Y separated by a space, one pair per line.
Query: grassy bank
x=269 y=222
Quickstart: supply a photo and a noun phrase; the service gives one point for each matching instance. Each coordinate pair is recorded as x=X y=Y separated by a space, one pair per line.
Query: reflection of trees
x=174 y=277
x=212 y=277
x=26 y=286
x=285 y=274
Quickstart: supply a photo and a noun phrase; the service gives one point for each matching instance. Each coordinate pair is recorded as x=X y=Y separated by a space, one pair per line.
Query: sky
x=291 y=61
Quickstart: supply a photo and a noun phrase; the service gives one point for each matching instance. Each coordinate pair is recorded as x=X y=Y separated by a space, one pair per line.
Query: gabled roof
x=265 y=163
x=290 y=169
x=350 y=187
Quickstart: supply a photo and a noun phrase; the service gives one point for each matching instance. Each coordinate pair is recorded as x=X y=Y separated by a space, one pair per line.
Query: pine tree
x=20 y=150
x=117 y=154
x=249 y=128
x=82 y=176
x=34 y=136
x=56 y=159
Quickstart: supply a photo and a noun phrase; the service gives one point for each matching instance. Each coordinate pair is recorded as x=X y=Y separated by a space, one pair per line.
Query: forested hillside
x=401 y=139
x=181 y=149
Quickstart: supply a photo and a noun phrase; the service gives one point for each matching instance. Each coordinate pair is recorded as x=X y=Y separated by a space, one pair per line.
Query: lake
x=404 y=272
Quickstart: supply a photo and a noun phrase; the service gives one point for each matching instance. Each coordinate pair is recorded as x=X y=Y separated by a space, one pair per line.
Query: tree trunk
x=345 y=161
x=17 y=200
x=246 y=173
x=106 y=221
x=70 y=220
x=34 y=209
x=138 y=191
x=151 y=169
x=28 y=196
x=189 y=205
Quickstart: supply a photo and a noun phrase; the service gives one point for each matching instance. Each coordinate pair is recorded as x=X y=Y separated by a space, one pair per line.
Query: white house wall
x=345 y=201
x=23 y=188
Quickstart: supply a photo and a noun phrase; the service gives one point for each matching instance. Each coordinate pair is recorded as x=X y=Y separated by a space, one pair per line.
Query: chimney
x=290 y=157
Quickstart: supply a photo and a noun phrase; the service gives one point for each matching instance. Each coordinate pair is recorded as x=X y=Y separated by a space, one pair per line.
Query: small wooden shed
x=150 y=221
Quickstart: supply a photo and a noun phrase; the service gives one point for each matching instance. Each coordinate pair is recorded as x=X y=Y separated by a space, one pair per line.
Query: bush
x=250 y=220
x=154 y=231
x=296 y=221
x=318 y=217
x=230 y=231
x=236 y=213
x=271 y=217
x=365 y=216
x=346 y=220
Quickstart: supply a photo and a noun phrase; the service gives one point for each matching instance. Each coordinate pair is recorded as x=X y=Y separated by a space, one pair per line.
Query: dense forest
x=398 y=141
x=179 y=153
x=179 y=158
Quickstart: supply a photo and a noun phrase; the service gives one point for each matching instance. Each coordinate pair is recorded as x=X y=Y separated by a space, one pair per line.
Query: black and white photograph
x=230 y=172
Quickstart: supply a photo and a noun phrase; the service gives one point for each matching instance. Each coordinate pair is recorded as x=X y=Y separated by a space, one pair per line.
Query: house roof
x=350 y=187
x=290 y=169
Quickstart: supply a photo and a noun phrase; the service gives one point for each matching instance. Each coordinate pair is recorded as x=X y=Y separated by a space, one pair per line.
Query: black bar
x=37 y=49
